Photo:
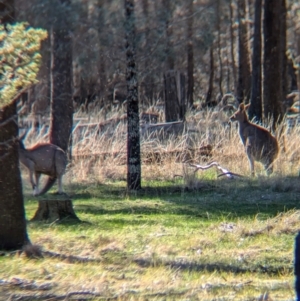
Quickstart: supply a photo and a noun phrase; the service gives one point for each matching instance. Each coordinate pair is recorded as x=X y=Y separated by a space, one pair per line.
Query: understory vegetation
x=185 y=236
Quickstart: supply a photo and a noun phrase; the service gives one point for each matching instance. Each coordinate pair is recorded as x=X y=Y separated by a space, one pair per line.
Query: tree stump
x=55 y=210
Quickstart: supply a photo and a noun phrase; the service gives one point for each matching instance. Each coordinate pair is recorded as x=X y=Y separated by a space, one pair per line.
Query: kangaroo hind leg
x=37 y=180
x=269 y=167
x=249 y=152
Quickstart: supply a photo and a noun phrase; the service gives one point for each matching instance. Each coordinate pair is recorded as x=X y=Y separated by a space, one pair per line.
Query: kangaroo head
x=240 y=115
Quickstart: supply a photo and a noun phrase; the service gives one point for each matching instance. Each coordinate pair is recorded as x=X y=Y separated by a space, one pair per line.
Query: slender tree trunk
x=211 y=78
x=169 y=32
x=61 y=87
x=13 y=233
x=149 y=78
x=255 y=110
x=283 y=45
x=232 y=47
x=190 y=54
x=244 y=78
x=101 y=61
x=272 y=83
x=133 y=135
x=218 y=28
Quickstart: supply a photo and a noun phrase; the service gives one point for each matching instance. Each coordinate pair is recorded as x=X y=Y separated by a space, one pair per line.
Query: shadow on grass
x=220 y=198
x=215 y=267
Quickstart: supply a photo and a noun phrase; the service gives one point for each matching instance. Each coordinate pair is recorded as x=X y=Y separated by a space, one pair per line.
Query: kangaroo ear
x=241 y=107
x=247 y=106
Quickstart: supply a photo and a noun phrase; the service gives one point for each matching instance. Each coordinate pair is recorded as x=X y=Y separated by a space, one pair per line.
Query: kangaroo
x=259 y=144
x=47 y=159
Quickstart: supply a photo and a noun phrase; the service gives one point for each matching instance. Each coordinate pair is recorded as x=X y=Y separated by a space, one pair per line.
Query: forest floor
x=218 y=240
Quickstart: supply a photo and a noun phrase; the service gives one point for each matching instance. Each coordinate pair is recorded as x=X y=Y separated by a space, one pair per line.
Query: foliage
x=20 y=58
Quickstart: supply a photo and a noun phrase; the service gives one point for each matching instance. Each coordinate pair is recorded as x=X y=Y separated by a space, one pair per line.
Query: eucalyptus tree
x=133 y=129
x=20 y=62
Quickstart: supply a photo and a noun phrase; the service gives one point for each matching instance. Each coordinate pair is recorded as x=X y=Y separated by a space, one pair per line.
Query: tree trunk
x=272 y=83
x=208 y=100
x=190 y=54
x=133 y=130
x=232 y=46
x=244 y=74
x=174 y=96
x=283 y=45
x=61 y=87
x=169 y=47
x=255 y=110
x=13 y=233
x=218 y=29
x=55 y=210
x=101 y=61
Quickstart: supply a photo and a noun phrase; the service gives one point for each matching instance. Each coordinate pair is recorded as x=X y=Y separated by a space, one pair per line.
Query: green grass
x=223 y=240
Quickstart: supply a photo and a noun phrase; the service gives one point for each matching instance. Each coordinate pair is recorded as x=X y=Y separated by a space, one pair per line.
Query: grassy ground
x=183 y=237
x=217 y=240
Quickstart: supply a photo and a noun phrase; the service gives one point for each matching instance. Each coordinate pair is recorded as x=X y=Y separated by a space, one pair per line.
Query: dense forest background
x=210 y=41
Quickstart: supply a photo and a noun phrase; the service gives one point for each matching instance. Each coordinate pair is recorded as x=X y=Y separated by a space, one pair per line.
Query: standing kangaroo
x=47 y=159
x=259 y=144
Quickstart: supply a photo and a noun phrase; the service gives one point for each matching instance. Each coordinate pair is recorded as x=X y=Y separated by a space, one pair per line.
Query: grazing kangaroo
x=259 y=144
x=47 y=159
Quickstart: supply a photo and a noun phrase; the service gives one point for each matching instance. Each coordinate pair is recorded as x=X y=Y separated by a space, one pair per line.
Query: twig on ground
x=224 y=171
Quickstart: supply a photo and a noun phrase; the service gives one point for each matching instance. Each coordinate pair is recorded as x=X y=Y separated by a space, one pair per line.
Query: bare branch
x=224 y=171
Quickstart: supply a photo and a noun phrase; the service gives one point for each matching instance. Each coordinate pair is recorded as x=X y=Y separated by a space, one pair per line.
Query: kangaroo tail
x=50 y=182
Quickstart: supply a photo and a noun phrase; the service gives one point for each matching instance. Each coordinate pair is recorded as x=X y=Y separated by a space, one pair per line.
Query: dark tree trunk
x=208 y=100
x=133 y=138
x=272 y=83
x=148 y=80
x=255 y=110
x=174 y=82
x=169 y=47
x=218 y=28
x=7 y=11
x=190 y=54
x=101 y=62
x=283 y=45
x=244 y=74
x=13 y=233
x=61 y=86
x=232 y=46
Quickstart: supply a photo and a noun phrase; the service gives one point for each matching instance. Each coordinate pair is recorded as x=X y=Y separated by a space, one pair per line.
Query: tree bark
x=232 y=46
x=61 y=87
x=174 y=82
x=208 y=100
x=283 y=45
x=218 y=28
x=13 y=232
x=168 y=29
x=133 y=129
x=244 y=74
x=272 y=83
x=190 y=54
x=255 y=110
x=55 y=210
